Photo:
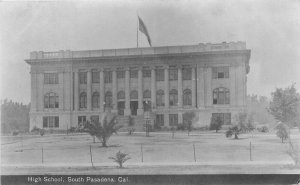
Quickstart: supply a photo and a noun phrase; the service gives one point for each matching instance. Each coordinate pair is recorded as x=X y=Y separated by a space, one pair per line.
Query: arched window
x=134 y=95
x=108 y=99
x=160 y=98
x=82 y=100
x=95 y=100
x=147 y=94
x=187 y=97
x=221 y=96
x=173 y=97
x=51 y=100
x=121 y=95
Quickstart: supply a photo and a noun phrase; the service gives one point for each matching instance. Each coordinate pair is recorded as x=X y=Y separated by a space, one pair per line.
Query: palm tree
x=105 y=130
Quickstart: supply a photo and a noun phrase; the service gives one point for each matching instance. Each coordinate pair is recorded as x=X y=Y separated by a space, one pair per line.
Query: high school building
x=71 y=87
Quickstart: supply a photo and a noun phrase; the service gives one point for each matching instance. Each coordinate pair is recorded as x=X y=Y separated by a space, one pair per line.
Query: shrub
x=181 y=127
x=282 y=131
x=120 y=158
x=131 y=131
x=42 y=132
x=235 y=130
x=215 y=124
x=15 y=133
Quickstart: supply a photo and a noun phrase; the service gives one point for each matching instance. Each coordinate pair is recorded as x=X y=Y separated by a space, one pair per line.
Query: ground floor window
x=159 y=120
x=51 y=122
x=173 y=119
x=81 y=120
x=225 y=117
x=94 y=119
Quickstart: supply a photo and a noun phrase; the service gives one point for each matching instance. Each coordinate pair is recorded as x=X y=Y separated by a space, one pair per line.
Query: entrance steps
x=137 y=122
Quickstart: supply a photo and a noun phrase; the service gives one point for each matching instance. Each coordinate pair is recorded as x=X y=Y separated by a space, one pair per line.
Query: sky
x=270 y=28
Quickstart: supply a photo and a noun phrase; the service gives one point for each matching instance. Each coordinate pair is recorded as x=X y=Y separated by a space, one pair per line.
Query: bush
x=215 y=124
x=131 y=131
x=235 y=130
x=181 y=127
x=42 y=132
x=120 y=158
x=15 y=133
x=263 y=129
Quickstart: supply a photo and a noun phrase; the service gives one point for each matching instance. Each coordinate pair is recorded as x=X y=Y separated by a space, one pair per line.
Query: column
x=101 y=91
x=166 y=120
x=140 y=110
x=232 y=78
x=114 y=91
x=153 y=88
x=200 y=87
x=180 y=90
x=207 y=84
x=76 y=91
x=89 y=90
x=127 y=93
x=194 y=80
x=33 y=91
x=61 y=97
x=166 y=87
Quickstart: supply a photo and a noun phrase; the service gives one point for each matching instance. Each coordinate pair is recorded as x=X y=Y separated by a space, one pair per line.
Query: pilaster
x=89 y=90
x=166 y=87
x=140 y=110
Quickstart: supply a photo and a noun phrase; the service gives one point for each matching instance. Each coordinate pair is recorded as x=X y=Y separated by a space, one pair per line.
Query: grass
x=211 y=148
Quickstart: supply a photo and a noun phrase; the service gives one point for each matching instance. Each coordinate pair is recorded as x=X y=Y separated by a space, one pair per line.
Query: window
x=159 y=119
x=95 y=119
x=147 y=73
x=173 y=74
x=82 y=100
x=120 y=74
x=51 y=100
x=107 y=77
x=173 y=96
x=187 y=97
x=173 y=119
x=147 y=94
x=82 y=77
x=51 y=78
x=133 y=73
x=134 y=95
x=95 y=100
x=50 y=122
x=95 y=77
x=225 y=117
x=160 y=98
x=121 y=95
x=220 y=72
x=108 y=99
x=81 y=120
x=187 y=73
x=160 y=74
x=221 y=96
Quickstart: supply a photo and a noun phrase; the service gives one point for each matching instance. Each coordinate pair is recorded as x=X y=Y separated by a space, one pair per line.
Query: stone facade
x=68 y=87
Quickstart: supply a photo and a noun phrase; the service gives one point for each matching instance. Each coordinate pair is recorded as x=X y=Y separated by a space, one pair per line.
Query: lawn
x=157 y=152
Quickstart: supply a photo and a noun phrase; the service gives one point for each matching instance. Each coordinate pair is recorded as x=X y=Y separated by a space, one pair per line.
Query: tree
x=235 y=130
x=284 y=105
x=282 y=131
x=216 y=123
x=120 y=158
x=103 y=131
x=189 y=117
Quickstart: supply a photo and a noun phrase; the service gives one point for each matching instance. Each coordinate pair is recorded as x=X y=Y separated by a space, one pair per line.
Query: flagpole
x=137 y=30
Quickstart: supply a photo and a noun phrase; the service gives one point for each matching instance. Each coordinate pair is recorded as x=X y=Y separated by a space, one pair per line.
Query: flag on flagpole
x=143 y=29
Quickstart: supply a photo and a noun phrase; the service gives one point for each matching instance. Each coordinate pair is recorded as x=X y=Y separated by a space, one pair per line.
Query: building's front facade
x=71 y=87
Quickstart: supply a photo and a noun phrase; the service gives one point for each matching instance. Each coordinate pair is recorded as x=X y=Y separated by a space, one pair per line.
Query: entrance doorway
x=121 y=107
x=133 y=107
x=147 y=105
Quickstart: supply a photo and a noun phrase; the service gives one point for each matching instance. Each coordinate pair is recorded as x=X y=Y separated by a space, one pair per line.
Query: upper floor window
x=108 y=99
x=146 y=73
x=82 y=77
x=95 y=77
x=133 y=73
x=173 y=96
x=120 y=74
x=160 y=74
x=221 y=96
x=50 y=122
x=121 y=95
x=50 y=78
x=173 y=74
x=160 y=98
x=187 y=97
x=187 y=73
x=147 y=94
x=134 y=94
x=107 y=76
x=95 y=119
x=95 y=100
x=82 y=100
x=51 y=100
x=220 y=72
